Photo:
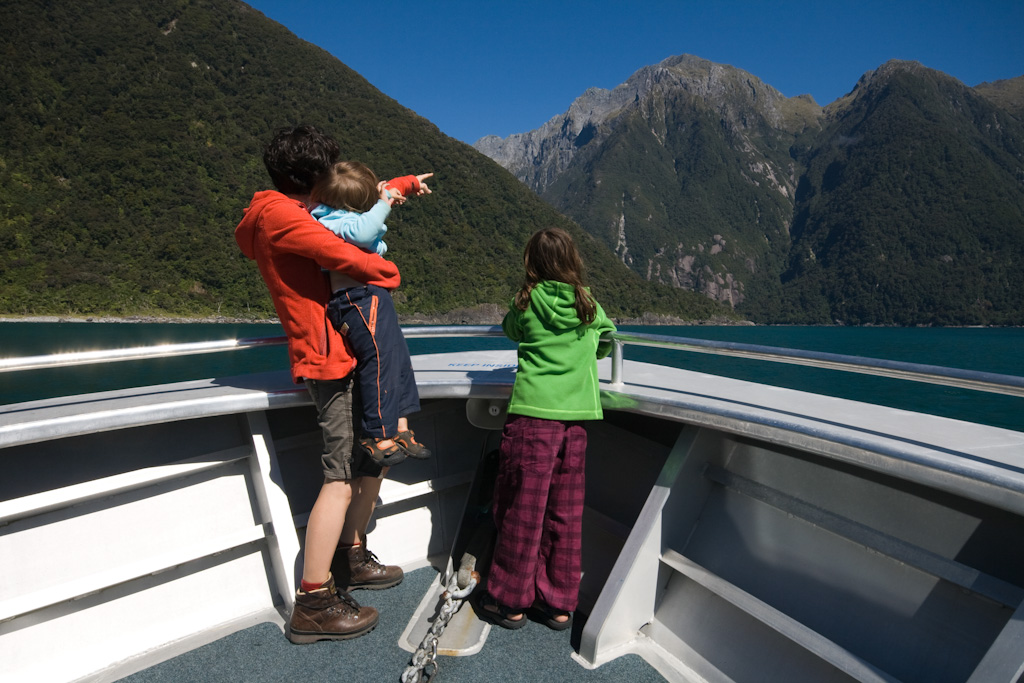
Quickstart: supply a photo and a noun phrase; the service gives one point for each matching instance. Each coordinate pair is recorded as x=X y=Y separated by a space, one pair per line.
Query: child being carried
x=353 y=204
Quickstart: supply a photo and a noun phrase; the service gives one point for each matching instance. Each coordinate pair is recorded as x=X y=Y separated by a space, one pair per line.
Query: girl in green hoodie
x=538 y=497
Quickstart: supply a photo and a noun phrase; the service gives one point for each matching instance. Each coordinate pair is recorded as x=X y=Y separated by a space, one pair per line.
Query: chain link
x=424 y=664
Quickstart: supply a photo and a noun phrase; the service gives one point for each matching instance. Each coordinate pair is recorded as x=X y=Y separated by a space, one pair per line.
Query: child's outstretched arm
x=365 y=230
x=408 y=186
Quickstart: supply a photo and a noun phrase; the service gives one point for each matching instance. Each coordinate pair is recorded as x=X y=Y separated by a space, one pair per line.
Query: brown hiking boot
x=326 y=614
x=357 y=567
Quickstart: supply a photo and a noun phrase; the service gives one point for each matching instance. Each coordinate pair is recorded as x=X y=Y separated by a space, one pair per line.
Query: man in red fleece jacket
x=291 y=249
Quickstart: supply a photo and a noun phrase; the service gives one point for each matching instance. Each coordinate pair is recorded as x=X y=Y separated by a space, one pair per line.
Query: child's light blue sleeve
x=365 y=230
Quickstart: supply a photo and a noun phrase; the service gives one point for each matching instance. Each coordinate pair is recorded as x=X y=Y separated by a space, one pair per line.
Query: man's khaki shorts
x=342 y=458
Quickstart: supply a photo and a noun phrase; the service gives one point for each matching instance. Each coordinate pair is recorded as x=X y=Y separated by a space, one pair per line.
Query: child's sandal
x=498 y=614
x=412 y=448
x=547 y=615
x=392 y=455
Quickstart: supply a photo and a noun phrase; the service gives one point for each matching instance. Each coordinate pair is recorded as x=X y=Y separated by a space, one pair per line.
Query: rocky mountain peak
x=876 y=80
x=739 y=98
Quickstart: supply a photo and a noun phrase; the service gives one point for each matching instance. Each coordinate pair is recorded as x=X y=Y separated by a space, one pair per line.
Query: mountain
x=684 y=170
x=911 y=208
x=133 y=140
x=900 y=203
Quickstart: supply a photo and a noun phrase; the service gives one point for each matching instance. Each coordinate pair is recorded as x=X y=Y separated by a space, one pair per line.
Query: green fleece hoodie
x=557 y=375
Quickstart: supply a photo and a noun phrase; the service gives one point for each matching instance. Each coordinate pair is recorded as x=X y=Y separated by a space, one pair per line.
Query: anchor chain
x=424 y=664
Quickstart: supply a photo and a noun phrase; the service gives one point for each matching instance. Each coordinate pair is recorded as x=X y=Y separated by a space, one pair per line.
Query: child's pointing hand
x=423 y=185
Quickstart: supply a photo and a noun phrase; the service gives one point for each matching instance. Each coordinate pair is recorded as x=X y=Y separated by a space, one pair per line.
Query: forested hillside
x=911 y=209
x=132 y=142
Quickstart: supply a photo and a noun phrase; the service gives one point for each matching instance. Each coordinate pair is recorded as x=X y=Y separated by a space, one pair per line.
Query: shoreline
x=453 y=318
x=129 y=319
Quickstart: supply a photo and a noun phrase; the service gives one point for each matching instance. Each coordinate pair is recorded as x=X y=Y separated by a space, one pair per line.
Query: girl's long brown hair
x=551 y=254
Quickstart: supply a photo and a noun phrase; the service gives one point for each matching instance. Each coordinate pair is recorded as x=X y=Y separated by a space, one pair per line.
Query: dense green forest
x=917 y=217
x=133 y=134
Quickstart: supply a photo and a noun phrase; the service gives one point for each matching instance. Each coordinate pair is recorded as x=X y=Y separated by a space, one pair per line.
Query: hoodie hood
x=555 y=304
x=245 y=233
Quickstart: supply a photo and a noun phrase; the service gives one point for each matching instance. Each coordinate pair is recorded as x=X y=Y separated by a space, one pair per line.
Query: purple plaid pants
x=538 y=512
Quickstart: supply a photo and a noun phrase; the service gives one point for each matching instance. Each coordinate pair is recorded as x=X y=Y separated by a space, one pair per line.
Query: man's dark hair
x=296 y=157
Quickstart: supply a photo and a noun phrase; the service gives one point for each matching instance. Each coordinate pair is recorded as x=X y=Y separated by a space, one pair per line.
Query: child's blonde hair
x=551 y=254
x=347 y=185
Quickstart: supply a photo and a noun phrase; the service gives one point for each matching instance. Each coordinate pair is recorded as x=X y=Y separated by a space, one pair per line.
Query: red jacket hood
x=245 y=232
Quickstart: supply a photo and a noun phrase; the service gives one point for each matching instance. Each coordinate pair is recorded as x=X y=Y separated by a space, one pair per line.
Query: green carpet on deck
x=262 y=654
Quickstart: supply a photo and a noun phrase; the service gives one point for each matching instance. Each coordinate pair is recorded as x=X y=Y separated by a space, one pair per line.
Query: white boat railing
x=1010 y=385
x=930 y=374
x=63 y=360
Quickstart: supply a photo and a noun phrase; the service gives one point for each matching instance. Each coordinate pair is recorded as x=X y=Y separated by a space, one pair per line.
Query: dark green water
x=989 y=350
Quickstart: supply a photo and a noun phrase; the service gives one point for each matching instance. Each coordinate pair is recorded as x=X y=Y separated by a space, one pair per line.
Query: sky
x=498 y=68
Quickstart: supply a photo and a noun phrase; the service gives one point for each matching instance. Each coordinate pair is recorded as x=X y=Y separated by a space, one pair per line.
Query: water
x=33 y=339
x=989 y=350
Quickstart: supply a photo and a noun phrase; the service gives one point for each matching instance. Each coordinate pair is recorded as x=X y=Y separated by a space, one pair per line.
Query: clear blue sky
x=479 y=68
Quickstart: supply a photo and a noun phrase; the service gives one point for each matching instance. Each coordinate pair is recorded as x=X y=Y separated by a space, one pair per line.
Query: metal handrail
x=63 y=360
x=930 y=374
x=1010 y=385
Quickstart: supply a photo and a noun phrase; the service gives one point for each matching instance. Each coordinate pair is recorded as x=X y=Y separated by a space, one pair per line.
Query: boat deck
x=262 y=654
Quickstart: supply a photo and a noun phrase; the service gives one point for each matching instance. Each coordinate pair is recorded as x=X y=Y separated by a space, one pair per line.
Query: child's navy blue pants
x=366 y=317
